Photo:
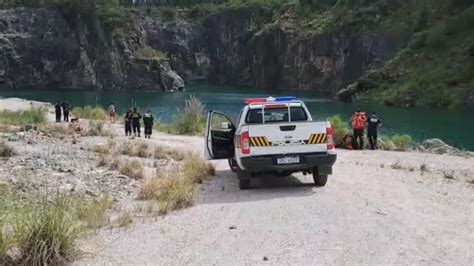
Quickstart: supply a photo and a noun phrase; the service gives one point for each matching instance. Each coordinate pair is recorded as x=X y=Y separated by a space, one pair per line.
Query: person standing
x=358 y=121
x=57 y=110
x=128 y=123
x=148 y=123
x=66 y=108
x=136 y=122
x=374 y=123
x=111 y=111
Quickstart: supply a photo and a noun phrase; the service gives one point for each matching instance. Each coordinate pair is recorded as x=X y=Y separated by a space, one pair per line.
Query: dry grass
x=93 y=213
x=6 y=150
x=174 y=189
x=124 y=219
x=196 y=169
x=397 y=166
x=162 y=152
x=132 y=168
x=101 y=148
x=102 y=160
x=97 y=128
x=424 y=168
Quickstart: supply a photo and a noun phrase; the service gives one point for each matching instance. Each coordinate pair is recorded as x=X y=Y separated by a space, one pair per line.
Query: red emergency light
x=254 y=100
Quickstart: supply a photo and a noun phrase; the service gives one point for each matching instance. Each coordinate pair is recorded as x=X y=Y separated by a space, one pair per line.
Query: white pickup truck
x=273 y=136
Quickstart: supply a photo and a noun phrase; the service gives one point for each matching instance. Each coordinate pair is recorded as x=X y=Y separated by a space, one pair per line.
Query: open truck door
x=219 y=140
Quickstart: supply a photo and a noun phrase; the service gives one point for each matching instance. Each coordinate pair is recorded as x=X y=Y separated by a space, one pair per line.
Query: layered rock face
x=44 y=48
x=49 y=48
x=248 y=47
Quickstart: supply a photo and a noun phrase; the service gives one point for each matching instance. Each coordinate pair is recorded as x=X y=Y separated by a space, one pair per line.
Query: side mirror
x=225 y=125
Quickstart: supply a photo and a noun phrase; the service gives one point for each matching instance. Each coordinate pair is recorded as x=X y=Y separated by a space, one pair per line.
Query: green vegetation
x=89 y=112
x=402 y=142
x=132 y=168
x=340 y=128
x=148 y=52
x=190 y=122
x=26 y=117
x=45 y=231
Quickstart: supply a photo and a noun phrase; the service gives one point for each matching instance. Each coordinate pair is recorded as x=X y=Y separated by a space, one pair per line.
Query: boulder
x=437 y=146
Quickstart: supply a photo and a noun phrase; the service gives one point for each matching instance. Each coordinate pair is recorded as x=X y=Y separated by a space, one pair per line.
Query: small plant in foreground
x=424 y=168
x=192 y=121
x=162 y=152
x=402 y=142
x=339 y=127
x=133 y=169
x=6 y=150
x=396 y=166
x=124 y=219
x=196 y=169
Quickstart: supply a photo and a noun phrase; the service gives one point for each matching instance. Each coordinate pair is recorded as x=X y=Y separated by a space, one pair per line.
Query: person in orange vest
x=358 y=121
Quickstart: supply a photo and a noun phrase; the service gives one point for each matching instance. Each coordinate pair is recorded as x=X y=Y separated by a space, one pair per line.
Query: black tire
x=244 y=184
x=319 y=180
x=233 y=165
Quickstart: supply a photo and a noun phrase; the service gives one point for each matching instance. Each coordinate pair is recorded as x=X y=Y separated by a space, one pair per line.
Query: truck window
x=276 y=115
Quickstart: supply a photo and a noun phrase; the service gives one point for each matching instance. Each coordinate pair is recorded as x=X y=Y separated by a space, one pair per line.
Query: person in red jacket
x=358 y=121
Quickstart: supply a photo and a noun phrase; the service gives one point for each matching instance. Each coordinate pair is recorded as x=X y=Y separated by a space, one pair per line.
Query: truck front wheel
x=319 y=180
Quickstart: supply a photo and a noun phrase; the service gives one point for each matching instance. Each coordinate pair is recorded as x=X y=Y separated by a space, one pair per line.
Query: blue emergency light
x=285 y=98
x=270 y=99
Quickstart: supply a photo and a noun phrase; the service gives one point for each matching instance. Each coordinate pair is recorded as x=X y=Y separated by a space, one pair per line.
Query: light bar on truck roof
x=269 y=100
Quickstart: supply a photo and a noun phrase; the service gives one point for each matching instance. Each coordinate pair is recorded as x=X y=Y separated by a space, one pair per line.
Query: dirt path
x=369 y=212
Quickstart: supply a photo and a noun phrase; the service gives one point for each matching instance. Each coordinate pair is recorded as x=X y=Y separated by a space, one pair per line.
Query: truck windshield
x=276 y=115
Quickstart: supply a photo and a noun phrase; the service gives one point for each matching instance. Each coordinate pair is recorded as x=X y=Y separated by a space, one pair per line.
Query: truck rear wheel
x=233 y=165
x=319 y=180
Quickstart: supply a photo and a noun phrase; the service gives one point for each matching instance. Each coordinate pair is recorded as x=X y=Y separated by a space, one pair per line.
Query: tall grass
x=191 y=121
x=45 y=232
x=18 y=118
x=89 y=112
x=174 y=189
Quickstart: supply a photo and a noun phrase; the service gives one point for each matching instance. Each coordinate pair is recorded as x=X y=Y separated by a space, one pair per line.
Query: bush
x=162 y=152
x=340 y=128
x=96 y=128
x=18 y=118
x=402 y=142
x=133 y=169
x=89 y=112
x=6 y=150
x=195 y=169
x=47 y=234
x=192 y=121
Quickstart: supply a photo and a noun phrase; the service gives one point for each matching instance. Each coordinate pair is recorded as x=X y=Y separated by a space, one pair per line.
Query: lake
x=456 y=127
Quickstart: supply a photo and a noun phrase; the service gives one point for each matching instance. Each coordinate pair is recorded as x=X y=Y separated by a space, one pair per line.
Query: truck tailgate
x=287 y=138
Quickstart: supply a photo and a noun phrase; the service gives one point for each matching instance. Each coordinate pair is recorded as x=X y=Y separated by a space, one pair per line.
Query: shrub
x=47 y=234
x=340 y=128
x=18 y=118
x=102 y=160
x=96 y=128
x=6 y=150
x=174 y=193
x=192 y=121
x=89 y=112
x=385 y=143
x=195 y=169
x=133 y=169
x=402 y=142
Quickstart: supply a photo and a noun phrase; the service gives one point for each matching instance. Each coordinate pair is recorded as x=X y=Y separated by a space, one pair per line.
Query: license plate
x=288 y=160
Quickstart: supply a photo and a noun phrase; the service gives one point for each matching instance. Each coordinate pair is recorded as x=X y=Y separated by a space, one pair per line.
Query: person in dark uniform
x=128 y=123
x=374 y=123
x=136 y=122
x=66 y=108
x=148 y=123
x=57 y=110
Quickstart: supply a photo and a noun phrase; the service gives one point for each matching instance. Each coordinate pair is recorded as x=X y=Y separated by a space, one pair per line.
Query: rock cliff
x=60 y=48
x=246 y=46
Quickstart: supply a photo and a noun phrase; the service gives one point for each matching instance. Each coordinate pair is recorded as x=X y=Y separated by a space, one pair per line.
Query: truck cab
x=274 y=136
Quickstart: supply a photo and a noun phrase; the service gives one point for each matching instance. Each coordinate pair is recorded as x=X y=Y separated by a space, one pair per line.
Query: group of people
x=62 y=109
x=132 y=123
x=359 y=121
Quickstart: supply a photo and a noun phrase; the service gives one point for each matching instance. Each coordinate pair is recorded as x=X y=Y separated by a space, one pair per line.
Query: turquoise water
x=456 y=127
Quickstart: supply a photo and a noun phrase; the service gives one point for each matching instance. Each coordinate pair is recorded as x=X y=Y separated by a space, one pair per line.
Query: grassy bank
x=20 y=118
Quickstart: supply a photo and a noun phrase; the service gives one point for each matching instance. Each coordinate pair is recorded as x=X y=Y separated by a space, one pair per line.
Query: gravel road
x=377 y=208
